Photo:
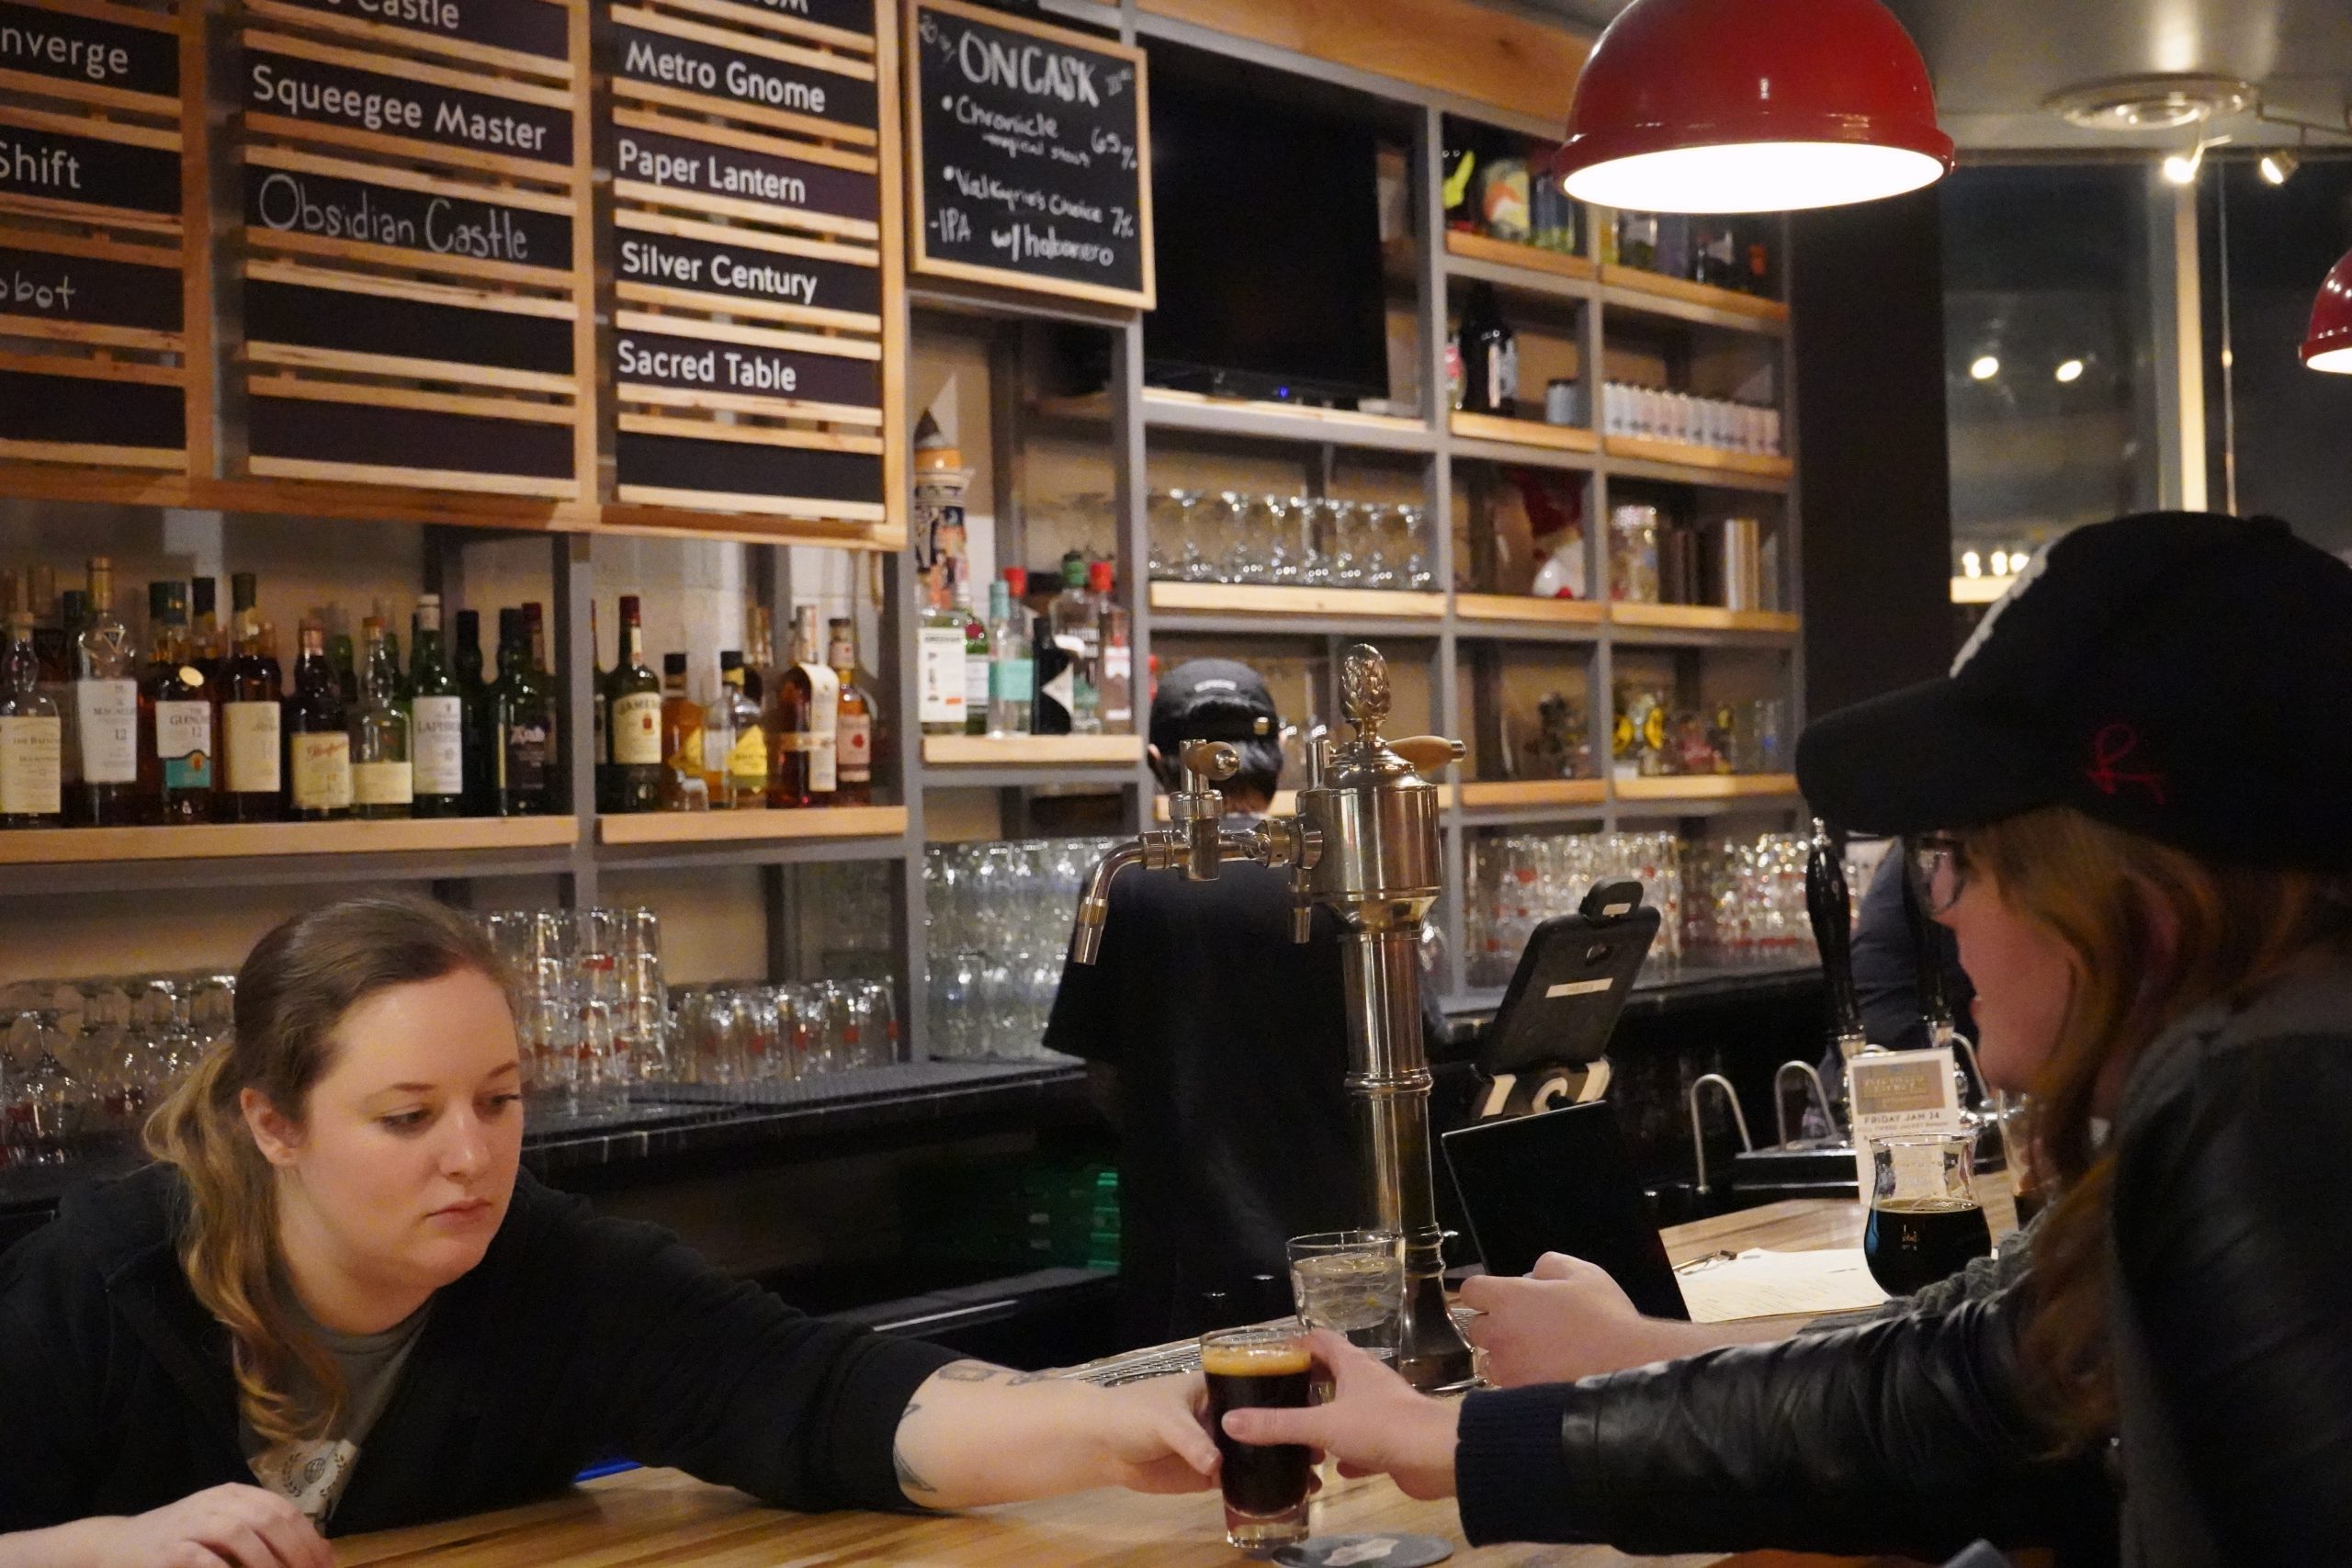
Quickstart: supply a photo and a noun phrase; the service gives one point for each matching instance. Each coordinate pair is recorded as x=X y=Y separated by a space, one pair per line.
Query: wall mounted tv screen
x=1266 y=241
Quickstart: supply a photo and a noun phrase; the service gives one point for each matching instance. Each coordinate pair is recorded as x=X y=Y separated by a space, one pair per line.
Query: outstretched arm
x=974 y=1434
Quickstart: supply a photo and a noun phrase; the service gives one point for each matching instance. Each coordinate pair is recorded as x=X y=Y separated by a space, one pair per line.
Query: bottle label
x=976 y=683
x=105 y=715
x=525 y=756
x=718 y=747
x=31 y=758
x=1061 y=690
x=69 y=744
x=249 y=748
x=382 y=784
x=1502 y=376
x=824 y=728
x=437 y=744
x=942 y=671
x=322 y=770
x=856 y=748
x=183 y=744
x=636 y=730
x=1012 y=680
x=747 y=765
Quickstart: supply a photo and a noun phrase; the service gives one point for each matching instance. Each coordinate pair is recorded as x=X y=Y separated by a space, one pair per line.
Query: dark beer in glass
x=1265 y=1484
x=1925 y=1223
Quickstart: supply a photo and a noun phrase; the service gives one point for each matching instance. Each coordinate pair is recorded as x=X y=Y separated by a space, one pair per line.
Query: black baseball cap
x=1211 y=699
x=2184 y=676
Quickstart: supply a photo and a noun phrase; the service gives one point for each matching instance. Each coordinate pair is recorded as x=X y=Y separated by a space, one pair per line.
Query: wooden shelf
x=1524 y=433
x=1269 y=599
x=1286 y=802
x=737 y=827
x=1533 y=792
x=1713 y=460
x=1639 y=289
x=209 y=840
x=1526 y=609
x=1166 y=409
x=1030 y=751
x=1704 y=618
x=1707 y=787
x=1546 y=270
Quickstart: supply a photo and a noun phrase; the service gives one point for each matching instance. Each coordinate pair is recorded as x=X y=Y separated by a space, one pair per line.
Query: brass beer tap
x=1364 y=844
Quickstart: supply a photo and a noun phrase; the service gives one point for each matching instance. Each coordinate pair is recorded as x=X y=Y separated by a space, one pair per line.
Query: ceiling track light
x=2181 y=168
x=2278 y=164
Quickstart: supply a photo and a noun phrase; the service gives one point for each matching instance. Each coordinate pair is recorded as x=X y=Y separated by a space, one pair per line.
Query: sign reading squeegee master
x=397 y=106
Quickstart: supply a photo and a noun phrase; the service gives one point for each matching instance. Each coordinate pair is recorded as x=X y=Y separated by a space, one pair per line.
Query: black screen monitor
x=1265 y=239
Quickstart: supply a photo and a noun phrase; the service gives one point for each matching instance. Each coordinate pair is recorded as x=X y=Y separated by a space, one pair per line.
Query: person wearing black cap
x=2129 y=802
x=1226 y=1043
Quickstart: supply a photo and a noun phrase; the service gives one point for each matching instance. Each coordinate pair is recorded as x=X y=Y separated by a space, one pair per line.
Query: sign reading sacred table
x=98 y=267
x=748 y=348
x=1031 y=147
x=416 y=279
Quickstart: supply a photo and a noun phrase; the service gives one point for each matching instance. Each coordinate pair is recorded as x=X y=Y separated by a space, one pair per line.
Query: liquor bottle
x=393 y=650
x=465 y=654
x=383 y=785
x=975 y=661
x=684 y=786
x=31 y=736
x=318 y=738
x=735 y=748
x=759 y=654
x=1012 y=674
x=466 y=668
x=803 y=722
x=854 y=727
x=436 y=717
x=939 y=668
x=174 y=716
x=519 y=739
x=106 y=711
x=1077 y=632
x=1490 y=355
x=253 y=772
x=633 y=720
x=1115 y=680
x=208 y=650
x=600 y=710
x=53 y=644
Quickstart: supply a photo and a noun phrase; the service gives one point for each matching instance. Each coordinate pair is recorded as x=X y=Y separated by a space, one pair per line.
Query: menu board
x=97 y=265
x=416 y=276
x=746 y=353
x=1031 y=152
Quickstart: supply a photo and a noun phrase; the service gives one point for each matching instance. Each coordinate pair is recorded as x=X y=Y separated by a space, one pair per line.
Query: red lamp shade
x=1751 y=106
x=2328 y=346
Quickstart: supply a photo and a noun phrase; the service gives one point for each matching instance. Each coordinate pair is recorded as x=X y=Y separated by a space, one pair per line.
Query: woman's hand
x=1374 y=1423
x=224 y=1527
x=1570 y=1320
x=1154 y=1437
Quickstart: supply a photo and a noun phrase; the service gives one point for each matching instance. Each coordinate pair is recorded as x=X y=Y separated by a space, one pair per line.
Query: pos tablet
x=1571 y=983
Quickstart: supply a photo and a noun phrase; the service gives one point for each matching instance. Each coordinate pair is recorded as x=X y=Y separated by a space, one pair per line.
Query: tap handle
x=1319 y=740
x=1363 y=689
x=1831 y=909
x=1427 y=753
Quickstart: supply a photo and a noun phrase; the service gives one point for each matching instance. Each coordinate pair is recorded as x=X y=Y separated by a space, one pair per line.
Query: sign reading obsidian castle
x=1031 y=152
x=747 y=348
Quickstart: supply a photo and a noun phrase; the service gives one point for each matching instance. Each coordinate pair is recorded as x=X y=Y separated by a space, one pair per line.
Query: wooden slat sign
x=96 y=265
x=746 y=349
x=1030 y=155
x=418 y=304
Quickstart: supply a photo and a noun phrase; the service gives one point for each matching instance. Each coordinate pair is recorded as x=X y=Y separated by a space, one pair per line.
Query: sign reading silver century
x=1365 y=842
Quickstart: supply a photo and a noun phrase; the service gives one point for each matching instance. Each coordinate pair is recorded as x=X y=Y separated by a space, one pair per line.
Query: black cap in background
x=2184 y=675
x=1212 y=699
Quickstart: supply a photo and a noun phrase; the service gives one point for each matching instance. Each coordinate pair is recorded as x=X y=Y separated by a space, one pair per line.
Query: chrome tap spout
x=1094 y=906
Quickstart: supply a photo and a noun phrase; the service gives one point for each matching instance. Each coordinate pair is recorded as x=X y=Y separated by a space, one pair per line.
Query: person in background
x=1221 y=1044
x=336 y=1302
x=2158 y=916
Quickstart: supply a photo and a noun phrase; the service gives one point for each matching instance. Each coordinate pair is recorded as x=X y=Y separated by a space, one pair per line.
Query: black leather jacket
x=2232 y=1324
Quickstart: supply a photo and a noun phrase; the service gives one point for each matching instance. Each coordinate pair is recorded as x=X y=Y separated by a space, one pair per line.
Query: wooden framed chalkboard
x=1030 y=155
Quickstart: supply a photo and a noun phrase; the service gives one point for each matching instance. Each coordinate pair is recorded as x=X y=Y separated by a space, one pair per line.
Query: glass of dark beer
x=1265 y=1484
x=1926 y=1222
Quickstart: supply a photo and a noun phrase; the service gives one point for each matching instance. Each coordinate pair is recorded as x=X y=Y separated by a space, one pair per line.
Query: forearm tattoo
x=911 y=1481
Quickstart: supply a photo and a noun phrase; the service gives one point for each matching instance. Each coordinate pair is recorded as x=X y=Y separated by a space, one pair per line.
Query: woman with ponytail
x=335 y=1302
x=2128 y=803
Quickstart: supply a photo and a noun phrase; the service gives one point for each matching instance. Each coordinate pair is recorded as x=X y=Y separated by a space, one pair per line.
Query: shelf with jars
x=1639 y=288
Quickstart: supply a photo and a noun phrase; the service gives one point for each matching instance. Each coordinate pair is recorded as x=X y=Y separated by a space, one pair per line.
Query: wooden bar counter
x=644 y=1517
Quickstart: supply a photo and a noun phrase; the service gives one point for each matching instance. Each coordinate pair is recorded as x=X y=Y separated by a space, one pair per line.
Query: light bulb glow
x=1753 y=176
x=2336 y=361
x=2069 y=370
x=1971 y=564
x=1984 y=368
x=2278 y=165
x=2001 y=563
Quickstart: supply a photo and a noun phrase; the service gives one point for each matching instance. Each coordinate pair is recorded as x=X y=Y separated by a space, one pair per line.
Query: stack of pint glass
x=590 y=1005
x=998 y=918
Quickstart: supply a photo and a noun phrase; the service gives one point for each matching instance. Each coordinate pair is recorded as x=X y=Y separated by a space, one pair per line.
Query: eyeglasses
x=1938 y=866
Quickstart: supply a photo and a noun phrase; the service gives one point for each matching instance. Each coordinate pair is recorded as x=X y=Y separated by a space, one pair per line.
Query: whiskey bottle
x=437 y=720
x=383 y=785
x=684 y=786
x=633 y=721
x=740 y=775
x=251 y=718
x=174 y=716
x=106 y=712
x=519 y=747
x=803 y=720
x=939 y=668
x=207 y=649
x=853 y=730
x=31 y=736
x=317 y=738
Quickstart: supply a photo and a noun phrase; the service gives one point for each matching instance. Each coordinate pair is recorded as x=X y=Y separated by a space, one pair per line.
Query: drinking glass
x=1314 y=524
x=1417 y=569
x=1348 y=552
x=1352 y=1282
x=1265 y=1367
x=1377 y=531
x=1274 y=527
x=1226 y=541
x=1926 y=1222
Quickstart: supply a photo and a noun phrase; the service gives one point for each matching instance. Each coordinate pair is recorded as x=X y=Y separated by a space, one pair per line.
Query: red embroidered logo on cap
x=2110 y=749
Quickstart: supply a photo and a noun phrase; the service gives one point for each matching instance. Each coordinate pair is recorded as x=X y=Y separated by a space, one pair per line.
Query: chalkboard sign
x=1032 y=157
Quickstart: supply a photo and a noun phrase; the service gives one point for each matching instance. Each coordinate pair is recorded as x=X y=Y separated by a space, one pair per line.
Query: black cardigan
x=576 y=1336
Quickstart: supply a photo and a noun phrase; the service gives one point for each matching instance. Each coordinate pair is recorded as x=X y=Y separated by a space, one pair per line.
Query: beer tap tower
x=1365 y=842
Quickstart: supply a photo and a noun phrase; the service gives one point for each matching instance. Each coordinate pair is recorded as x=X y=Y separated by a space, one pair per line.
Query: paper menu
x=1757 y=1283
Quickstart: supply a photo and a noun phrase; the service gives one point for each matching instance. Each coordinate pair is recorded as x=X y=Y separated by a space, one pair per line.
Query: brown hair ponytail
x=292 y=991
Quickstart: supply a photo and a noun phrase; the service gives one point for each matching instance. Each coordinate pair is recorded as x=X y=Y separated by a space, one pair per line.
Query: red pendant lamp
x=2328 y=346
x=1751 y=106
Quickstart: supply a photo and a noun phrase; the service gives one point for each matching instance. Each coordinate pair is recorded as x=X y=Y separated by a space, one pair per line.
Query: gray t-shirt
x=312 y=1474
